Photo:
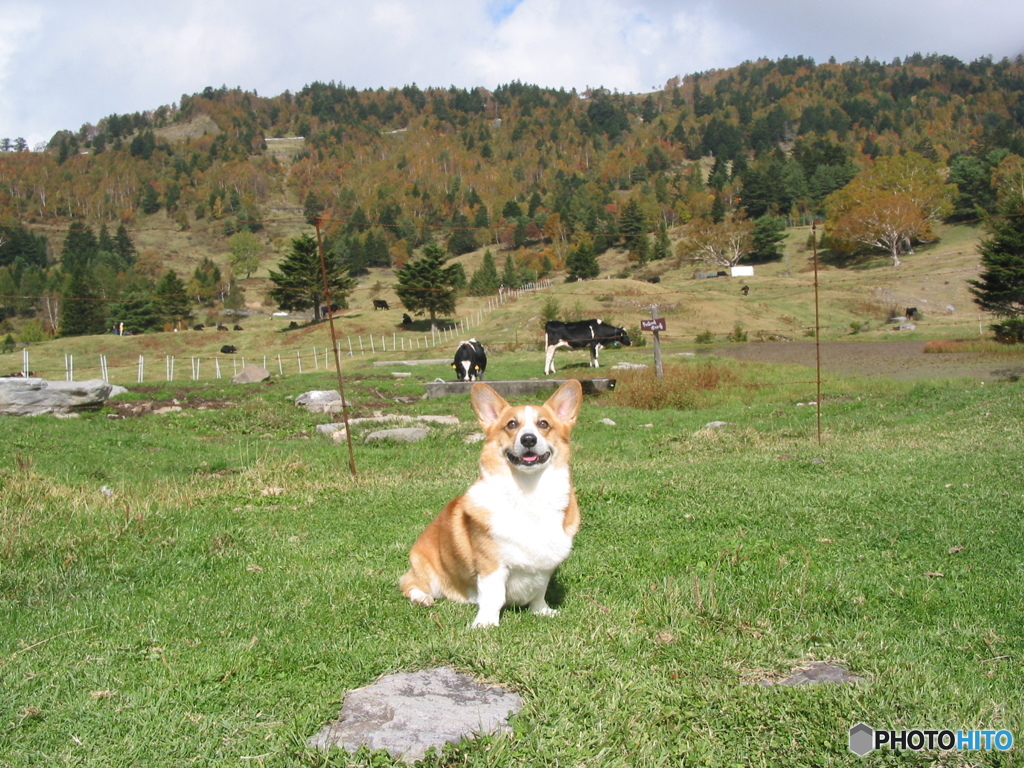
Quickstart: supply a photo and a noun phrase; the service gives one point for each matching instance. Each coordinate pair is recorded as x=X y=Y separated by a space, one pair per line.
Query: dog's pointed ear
x=566 y=401
x=487 y=403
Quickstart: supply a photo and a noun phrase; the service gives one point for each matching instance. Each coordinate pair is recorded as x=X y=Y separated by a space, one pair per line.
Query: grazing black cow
x=198 y=327
x=912 y=313
x=593 y=334
x=228 y=349
x=221 y=327
x=329 y=309
x=380 y=304
x=470 y=361
x=406 y=320
x=238 y=328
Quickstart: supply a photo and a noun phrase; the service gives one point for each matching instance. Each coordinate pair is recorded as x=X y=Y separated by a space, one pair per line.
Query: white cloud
x=65 y=63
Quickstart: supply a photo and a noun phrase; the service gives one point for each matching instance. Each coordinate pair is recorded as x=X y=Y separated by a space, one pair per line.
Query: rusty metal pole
x=817 y=325
x=334 y=346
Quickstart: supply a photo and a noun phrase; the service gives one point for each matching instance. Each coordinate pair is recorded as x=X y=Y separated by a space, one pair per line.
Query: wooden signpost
x=655 y=324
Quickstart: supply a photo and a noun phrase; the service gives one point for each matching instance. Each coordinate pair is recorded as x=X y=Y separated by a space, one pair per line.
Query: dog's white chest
x=527 y=524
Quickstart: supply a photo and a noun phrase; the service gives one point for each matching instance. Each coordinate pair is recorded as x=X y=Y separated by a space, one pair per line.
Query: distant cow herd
x=470 y=360
x=594 y=335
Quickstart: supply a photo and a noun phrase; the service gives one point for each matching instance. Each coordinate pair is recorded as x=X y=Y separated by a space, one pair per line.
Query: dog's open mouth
x=528 y=459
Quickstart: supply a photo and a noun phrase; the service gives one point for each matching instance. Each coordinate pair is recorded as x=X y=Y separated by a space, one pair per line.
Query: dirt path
x=893 y=359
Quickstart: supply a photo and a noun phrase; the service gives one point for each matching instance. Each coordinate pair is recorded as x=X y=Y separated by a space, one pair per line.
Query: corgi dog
x=499 y=543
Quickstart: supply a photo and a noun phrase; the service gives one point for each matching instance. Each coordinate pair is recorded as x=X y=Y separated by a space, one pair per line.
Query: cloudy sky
x=64 y=63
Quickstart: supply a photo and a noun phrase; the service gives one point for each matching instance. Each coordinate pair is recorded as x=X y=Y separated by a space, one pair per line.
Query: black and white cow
x=594 y=334
x=470 y=361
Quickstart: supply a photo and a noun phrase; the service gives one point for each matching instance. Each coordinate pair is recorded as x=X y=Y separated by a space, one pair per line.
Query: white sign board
x=742 y=271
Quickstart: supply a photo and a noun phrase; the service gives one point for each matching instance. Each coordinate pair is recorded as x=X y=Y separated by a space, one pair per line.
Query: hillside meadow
x=856 y=301
x=202 y=587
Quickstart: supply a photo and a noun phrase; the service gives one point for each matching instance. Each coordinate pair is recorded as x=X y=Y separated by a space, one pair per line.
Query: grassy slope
x=197 y=616
x=781 y=301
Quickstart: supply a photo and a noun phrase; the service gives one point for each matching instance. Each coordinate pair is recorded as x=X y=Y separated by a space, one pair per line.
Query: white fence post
x=142 y=364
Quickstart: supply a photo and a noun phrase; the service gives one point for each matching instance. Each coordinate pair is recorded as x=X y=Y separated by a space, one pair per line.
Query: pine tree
x=300 y=282
x=82 y=312
x=79 y=249
x=125 y=248
x=1000 y=286
x=426 y=285
x=485 y=280
x=582 y=262
x=510 y=273
x=768 y=235
x=172 y=299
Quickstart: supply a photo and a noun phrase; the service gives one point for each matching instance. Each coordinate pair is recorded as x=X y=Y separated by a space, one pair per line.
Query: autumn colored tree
x=722 y=244
x=890 y=205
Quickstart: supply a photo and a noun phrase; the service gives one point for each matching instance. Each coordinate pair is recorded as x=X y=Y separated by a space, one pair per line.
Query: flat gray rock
x=818 y=673
x=403 y=435
x=32 y=397
x=407 y=713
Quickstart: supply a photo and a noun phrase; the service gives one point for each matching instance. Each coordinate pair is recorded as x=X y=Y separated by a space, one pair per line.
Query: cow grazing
x=221 y=327
x=228 y=349
x=380 y=304
x=198 y=327
x=238 y=328
x=593 y=334
x=470 y=361
x=912 y=313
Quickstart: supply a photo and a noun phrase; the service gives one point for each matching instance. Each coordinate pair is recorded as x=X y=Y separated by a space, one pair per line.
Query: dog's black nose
x=528 y=440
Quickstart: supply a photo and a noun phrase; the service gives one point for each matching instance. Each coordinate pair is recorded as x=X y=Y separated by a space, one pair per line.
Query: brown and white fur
x=499 y=543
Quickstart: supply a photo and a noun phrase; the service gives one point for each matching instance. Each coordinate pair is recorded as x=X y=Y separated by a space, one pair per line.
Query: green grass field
x=201 y=588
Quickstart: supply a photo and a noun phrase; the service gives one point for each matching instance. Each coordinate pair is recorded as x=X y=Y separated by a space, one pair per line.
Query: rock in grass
x=251 y=374
x=404 y=435
x=818 y=673
x=32 y=397
x=407 y=713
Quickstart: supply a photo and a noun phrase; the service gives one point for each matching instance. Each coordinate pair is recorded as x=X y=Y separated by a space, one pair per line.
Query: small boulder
x=402 y=435
x=31 y=396
x=408 y=713
x=318 y=400
x=251 y=374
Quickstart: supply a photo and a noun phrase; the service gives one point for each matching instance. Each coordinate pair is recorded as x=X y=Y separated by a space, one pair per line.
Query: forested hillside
x=545 y=174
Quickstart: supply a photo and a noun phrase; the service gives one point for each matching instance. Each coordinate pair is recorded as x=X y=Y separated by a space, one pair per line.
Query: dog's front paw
x=545 y=611
x=421 y=598
x=481 y=622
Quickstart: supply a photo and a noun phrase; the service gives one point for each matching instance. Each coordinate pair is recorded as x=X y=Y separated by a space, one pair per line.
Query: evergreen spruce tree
x=768 y=236
x=299 y=284
x=1000 y=286
x=79 y=249
x=462 y=238
x=82 y=312
x=426 y=285
x=582 y=262
x=149 y=203
x=510 y=274
x=125 y=248
x=485 y=280
x=172 y=299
